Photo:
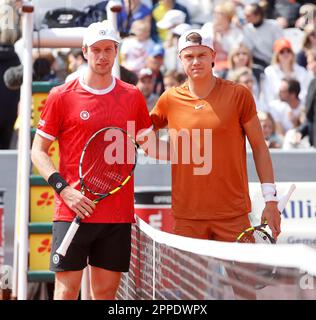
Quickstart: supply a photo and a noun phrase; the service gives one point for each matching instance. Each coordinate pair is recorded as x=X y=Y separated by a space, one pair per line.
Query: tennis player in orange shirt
x=213 y=203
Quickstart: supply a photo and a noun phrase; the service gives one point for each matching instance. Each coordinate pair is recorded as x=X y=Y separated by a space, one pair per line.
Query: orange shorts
x=221 y=230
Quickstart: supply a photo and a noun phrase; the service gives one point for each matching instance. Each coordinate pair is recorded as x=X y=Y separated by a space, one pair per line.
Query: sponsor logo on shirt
x=84 y=115
x=41 y=122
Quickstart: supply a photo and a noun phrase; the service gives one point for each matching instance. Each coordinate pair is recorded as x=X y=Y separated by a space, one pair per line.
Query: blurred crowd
x=267 y=46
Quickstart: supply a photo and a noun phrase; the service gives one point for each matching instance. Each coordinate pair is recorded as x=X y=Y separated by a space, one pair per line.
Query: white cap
x=99 y=31
x=171 y=19
x=145 y=72
x=183 y=42
x=181 y=28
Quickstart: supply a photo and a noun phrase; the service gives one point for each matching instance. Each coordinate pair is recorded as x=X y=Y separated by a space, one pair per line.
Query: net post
x=24 y=153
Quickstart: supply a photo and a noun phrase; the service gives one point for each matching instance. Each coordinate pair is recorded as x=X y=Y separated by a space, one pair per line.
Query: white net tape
x=169 y=267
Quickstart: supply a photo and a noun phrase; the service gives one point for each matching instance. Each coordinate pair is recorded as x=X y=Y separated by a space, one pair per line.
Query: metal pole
x=24 y=155
x=16 y=229
x=112 y=9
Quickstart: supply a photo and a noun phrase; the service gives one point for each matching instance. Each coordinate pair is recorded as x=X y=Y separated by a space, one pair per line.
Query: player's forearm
x=43 y=163
x=263 y=164
x=160 y=150
x=156 y=148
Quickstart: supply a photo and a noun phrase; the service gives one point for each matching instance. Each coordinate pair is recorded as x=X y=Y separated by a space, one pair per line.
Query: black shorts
x=102 y=245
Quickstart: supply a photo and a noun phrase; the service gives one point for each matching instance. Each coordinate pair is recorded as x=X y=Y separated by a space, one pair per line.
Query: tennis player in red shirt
x=72 y=113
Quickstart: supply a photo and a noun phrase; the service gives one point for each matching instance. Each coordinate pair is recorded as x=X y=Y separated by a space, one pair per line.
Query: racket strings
x=256 y=236
x=107 y=164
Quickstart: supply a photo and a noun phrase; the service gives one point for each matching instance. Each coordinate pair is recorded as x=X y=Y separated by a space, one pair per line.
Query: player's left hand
x=271 y=215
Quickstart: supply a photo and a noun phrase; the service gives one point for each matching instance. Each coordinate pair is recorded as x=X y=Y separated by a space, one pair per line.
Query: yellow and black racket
x=107 y=163
x=261 y=234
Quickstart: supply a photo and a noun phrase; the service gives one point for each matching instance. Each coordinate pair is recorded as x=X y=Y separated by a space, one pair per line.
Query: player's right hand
x=77 y=202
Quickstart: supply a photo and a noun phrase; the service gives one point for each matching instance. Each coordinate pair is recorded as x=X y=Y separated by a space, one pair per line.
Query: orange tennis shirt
x=223 y=191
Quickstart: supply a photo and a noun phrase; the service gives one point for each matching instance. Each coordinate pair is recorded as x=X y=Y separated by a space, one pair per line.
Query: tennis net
x=169 y=267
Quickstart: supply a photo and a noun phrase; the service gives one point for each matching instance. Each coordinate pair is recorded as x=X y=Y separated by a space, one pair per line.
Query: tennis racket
x=107 y=163
x=259 y=234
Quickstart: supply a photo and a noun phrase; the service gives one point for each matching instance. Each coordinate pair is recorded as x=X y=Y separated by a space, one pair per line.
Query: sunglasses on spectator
x=285 y=51
x=241 y=54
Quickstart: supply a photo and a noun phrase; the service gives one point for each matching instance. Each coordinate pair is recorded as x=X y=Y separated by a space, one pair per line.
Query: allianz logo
x=300 y=209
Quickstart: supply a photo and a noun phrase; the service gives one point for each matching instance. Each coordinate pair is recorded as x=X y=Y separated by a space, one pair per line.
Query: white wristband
x=269 y=192
x=268 y=188
x=271 y=197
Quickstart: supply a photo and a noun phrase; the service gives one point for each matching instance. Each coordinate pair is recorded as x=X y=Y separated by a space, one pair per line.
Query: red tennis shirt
x=72 y=113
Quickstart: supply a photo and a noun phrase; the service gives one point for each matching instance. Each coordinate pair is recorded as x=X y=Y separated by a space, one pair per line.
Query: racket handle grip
x=285 y=198
x=62 y=250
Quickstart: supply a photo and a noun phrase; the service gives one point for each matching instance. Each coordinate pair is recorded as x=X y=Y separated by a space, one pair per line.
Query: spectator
x=171 y=47
x=155 y=62
x=293 y=138
x=135 y=49
x=173 y=78
x=171 y=19
x=244 y=76
x=287 y=110
x=308 y=128
x=286 y=12
x=159 y=11
x=77 y=64
x=132 y=10
x=309 y=42
x=283 y=66
x=42 y=70
x=8 y=59
x=310 y=104
x=128 y=76
x=240 y=56
x=146 y=86
x=224 y=34
x=260 y=34
x=267 y=122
